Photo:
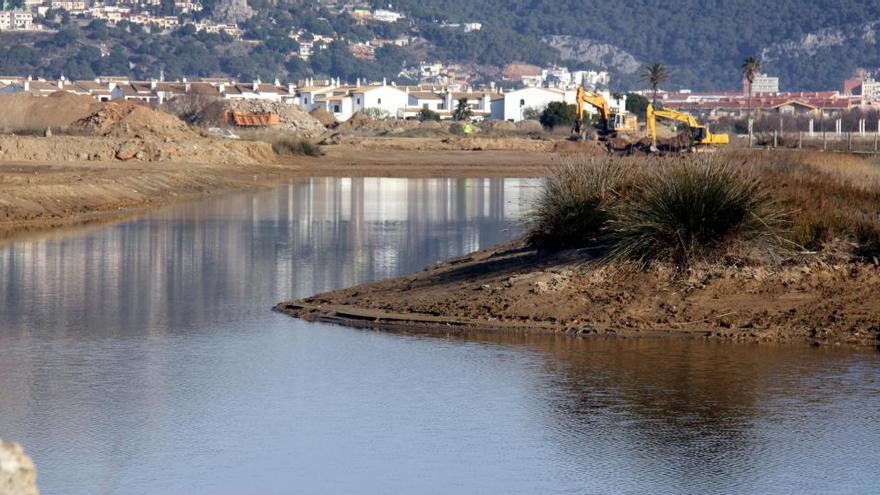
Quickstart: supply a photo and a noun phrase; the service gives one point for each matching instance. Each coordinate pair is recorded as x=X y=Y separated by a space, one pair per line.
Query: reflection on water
x=143 y=358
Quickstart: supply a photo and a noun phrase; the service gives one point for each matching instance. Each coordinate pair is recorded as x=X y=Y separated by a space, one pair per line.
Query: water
x=142 y=358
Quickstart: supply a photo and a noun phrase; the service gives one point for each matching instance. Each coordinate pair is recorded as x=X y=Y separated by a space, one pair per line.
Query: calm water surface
x=142 y=358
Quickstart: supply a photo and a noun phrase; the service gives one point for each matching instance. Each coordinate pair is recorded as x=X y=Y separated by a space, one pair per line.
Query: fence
x=816 y=137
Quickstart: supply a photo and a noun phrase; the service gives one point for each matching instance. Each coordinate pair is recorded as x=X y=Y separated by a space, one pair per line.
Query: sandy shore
x=512 y=288
x=38 y=196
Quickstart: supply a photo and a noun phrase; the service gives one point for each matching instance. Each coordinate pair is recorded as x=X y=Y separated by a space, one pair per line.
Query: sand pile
x=293 y=118
x=26 y=113
x=125 y=118
x=498 y=125
x=324 y=117
x=356 y=121
x=589 y=148
x=529 y=126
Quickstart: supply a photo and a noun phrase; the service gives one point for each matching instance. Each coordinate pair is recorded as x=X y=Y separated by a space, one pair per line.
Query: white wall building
x=517 y=103
x=389 y=99
x=763 y=84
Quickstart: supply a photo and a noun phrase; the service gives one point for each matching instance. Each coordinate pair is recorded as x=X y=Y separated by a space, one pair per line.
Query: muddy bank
x=42 y=196
x=355 y=161
x=45 y=193
x=512 y=288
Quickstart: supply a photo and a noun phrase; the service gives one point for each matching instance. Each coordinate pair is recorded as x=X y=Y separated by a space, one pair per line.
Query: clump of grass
x=830 y=196
x=295 y=146
x=574 y=203
x=691 y=211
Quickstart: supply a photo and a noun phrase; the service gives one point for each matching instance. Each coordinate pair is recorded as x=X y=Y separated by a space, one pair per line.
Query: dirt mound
x=24 y=113
x=126 y=118
x=529 y=126
x=356 y=121
x=498 y=125
x=293 y=118
x=430 y=124
x=324 y=117
x=569 y=147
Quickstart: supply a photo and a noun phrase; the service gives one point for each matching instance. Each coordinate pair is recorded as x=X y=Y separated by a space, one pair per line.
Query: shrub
x=573 y=206
x=428 y=114
x=292 y=146
x=691 y=211
x=558 y=113
x=375 y=113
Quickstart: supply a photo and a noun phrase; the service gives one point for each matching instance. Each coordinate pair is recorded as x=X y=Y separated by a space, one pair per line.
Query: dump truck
x=249 y=119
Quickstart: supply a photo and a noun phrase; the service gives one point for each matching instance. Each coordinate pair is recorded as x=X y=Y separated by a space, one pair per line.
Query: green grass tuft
x=690 y=211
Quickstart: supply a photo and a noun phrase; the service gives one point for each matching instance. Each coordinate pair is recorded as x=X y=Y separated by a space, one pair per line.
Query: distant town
x=520 y=92
x=440 y=92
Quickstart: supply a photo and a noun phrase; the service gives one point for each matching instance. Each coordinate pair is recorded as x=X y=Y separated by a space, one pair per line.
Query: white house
x=518 y=102
x=390 y=99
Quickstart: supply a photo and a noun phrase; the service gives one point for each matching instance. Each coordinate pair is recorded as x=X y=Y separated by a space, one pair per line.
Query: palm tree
x=750 y=68
x=655 y=75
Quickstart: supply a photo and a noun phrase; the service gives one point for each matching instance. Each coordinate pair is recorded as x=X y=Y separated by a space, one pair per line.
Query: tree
x=428 y=114
x=636 y=104
x=655 y=75
x=750 y=68
x=462 y=110
x=558 y=113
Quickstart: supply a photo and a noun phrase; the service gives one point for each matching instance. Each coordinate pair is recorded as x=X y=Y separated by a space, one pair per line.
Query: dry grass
x=829 y=196
x=688 y=208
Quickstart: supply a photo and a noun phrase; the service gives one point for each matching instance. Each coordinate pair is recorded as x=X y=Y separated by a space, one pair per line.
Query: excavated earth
x=512 y=288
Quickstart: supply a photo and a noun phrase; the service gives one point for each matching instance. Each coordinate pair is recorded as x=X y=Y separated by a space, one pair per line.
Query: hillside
x=703 y=41
x=810 y=44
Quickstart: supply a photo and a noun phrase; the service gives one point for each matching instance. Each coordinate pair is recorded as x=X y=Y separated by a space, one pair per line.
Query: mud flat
x=513 y=288
x=799 y=266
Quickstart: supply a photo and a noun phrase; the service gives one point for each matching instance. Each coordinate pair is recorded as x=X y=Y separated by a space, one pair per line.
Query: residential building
x=17 y=20
x=383 y=15
x=762 y=84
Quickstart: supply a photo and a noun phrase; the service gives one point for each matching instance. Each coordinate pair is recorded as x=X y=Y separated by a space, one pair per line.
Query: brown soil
x=25 y=113
x=353 y=161
x=512 y=288
x=324 y=117
x=126 y=119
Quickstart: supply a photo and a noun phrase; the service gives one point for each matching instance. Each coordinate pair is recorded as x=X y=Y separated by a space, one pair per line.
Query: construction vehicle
x=699 y=134
x=248 y=119
x=610 y=123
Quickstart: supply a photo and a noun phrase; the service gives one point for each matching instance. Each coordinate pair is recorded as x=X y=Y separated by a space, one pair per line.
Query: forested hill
x=704 y=40
x=809 y=44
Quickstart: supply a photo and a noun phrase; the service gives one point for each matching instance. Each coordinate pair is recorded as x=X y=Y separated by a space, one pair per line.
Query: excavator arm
x=610 y=122
x=700 y=134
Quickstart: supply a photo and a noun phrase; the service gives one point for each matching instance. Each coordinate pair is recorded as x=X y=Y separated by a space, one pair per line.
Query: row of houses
x=342 y=100
x=715 y=105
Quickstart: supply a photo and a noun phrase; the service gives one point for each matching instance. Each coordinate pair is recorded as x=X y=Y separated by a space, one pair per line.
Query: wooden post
x=849 y=141
x=875 y=143
x=824 y=142
x=800 y=140
x=775 y=135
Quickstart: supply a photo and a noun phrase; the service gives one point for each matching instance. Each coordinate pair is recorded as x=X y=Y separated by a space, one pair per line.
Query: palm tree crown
x=655 y=75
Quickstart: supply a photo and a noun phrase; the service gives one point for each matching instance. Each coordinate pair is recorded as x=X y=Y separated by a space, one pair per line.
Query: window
x=522 y=103
x=335 y=108
x=358 y=100
x=379 y=101
x=425 y=106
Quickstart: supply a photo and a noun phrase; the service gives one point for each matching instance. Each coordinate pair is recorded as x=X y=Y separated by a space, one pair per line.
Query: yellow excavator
x=700 y=136
x=610 y=123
